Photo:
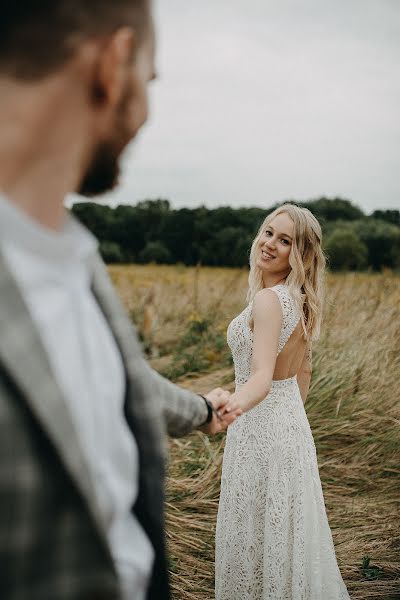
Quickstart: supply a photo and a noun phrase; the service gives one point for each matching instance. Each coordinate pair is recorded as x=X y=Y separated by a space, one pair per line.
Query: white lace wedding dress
x=273 y=539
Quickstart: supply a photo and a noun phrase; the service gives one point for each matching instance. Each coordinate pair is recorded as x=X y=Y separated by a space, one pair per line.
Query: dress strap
x=290 y=313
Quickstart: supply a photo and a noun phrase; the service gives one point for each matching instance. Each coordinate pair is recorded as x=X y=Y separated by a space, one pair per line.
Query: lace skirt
x=273 y=539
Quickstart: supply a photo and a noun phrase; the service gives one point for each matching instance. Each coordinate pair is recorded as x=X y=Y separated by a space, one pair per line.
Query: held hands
x=231 y=407
x=221 y=400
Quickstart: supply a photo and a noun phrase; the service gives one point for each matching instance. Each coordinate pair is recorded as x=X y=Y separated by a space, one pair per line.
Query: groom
x=82 y=415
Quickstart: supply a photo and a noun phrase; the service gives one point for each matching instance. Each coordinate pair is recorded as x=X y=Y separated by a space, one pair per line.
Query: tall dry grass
x=353 y=408
x=178 y=294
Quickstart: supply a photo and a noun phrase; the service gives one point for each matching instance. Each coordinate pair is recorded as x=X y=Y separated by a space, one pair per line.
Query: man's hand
x=219 y=398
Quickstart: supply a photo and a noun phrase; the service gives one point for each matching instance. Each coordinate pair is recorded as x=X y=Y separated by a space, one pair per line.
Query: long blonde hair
x=307 y=260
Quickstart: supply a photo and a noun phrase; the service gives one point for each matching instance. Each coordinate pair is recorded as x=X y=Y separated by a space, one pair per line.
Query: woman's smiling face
x=275 y=245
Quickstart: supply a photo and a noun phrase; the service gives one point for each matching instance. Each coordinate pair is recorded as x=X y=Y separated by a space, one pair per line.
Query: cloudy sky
x=259 y=101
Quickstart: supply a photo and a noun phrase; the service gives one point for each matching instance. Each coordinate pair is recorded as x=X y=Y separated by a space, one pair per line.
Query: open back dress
x=273 y=540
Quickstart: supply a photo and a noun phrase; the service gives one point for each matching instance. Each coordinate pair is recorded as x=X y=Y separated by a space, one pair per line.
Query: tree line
x=152 y=231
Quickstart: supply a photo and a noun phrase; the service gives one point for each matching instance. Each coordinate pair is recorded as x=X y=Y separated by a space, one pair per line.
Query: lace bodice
x=240 y=336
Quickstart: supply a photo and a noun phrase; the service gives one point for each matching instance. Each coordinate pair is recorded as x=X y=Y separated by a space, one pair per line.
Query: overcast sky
x=260 y=101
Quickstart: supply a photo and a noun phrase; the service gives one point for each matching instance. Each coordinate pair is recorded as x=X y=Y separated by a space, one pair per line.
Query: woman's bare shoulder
x=267 y=302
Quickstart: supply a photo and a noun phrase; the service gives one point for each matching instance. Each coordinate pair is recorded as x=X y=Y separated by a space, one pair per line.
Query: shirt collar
x=73 y=243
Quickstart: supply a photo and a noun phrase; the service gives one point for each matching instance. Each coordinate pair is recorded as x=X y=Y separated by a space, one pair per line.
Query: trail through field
x=205 y=383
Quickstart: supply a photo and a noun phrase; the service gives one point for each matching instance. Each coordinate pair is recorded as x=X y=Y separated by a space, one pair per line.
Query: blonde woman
x=273 y=539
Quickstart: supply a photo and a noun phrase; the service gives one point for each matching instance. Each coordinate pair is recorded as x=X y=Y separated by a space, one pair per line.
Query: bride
x=273 y=539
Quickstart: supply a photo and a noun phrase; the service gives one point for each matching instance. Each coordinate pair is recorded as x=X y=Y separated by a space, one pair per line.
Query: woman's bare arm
x=267 y=315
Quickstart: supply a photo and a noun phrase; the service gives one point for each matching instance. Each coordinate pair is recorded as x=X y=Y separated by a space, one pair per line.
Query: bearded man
x=82 y=415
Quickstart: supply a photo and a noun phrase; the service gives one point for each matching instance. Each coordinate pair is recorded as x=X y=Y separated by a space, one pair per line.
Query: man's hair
x=37 y=37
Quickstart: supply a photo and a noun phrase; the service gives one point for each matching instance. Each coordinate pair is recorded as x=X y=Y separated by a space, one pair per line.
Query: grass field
x=353 y=408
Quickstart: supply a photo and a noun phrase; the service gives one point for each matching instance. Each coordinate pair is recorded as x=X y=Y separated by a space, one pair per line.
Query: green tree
x=152 y=231
x=333 y=209
x=111 y=252
x=155 y=252
x=229 y=247
x=382 y=240
x=346 y=251
x=98 y=218
x=177 y=234
x=390 y=216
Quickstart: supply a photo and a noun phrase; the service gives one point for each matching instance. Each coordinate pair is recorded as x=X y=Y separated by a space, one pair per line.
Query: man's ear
x=115 y=58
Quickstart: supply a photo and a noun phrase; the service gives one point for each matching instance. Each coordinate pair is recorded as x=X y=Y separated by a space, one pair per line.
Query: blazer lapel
x=110 y=305
x=24 y=357
x=145 y=423
x=125 y=337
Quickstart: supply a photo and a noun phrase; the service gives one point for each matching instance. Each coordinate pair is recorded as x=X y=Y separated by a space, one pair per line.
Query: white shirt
x=52 y=271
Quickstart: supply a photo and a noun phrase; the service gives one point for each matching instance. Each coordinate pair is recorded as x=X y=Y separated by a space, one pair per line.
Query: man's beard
x=103 y=172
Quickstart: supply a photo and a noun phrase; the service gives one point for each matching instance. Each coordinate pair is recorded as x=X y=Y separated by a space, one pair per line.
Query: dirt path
x=205 y=383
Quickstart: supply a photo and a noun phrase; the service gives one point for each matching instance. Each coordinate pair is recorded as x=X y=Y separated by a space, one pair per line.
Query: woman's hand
x=231 y=407
x=219 y=399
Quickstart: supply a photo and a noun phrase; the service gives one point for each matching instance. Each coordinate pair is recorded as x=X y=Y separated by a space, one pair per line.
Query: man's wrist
x=209 y=410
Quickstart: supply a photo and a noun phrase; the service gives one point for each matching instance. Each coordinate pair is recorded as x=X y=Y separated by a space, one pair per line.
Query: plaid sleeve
x=183 y=410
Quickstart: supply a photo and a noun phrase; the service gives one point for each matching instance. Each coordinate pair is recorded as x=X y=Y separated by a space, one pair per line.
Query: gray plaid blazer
x=52 y=536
